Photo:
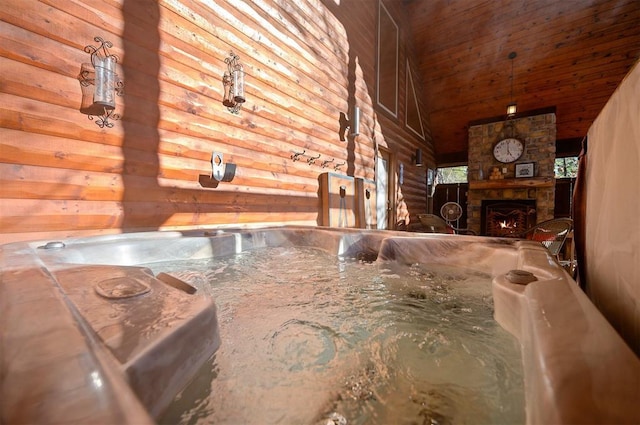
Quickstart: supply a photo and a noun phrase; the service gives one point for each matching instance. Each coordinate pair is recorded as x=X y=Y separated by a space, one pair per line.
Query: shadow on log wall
x=306 y=63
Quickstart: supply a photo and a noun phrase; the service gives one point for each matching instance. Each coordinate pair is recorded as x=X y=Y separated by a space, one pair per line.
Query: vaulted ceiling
x=570 y=55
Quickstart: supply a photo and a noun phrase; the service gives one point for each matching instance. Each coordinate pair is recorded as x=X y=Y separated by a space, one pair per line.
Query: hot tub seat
x=79 y=346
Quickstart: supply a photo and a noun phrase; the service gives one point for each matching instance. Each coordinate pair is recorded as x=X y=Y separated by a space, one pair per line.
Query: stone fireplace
x=530 y=199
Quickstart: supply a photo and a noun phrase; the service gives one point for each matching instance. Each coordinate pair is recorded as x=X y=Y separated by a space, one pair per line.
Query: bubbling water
x=311 y=338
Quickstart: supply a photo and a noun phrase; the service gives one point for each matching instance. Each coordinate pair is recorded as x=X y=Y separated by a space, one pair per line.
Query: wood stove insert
x=507 y=218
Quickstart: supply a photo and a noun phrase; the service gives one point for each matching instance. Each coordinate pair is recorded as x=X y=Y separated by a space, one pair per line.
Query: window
x=387 y=76
x=452 y=175
x=413 y=118
x=566 y=167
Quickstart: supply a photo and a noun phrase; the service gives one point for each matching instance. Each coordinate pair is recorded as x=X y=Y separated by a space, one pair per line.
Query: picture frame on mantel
x=525 y=170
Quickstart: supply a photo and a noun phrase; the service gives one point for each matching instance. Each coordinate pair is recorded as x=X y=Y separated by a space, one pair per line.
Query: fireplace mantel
x=512 y=183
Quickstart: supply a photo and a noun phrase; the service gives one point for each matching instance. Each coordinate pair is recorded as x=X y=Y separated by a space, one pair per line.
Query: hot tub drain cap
x=521 y=277
x=121 y=287
x=52 y=245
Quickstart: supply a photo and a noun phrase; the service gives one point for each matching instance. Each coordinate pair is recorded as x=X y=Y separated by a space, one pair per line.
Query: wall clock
x=508 y=150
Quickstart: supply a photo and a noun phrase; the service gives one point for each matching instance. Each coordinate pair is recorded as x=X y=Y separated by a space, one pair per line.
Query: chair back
x=551 y=233
x=433 y=224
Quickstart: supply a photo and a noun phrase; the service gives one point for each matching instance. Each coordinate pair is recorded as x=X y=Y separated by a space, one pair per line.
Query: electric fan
x=451 y=211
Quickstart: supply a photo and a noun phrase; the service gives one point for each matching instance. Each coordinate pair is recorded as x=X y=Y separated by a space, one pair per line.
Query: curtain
x=578 y=216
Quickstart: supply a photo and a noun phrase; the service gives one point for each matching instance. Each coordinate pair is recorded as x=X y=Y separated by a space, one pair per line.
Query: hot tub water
x=307 y=336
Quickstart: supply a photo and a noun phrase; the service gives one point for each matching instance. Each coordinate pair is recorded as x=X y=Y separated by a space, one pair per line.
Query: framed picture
x=526 y=169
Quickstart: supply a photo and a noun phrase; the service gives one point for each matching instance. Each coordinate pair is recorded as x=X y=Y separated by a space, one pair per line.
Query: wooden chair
x=551 y=234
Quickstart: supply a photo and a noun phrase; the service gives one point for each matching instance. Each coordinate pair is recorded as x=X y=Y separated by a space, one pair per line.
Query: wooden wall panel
x=306 y=62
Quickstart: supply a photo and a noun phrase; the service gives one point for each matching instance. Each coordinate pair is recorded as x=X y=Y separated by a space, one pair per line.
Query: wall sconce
x=100 y=84
x=233 y=81
x=352 y=124
x=417 y=158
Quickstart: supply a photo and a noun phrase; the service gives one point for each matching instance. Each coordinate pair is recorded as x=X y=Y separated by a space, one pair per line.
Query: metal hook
x=338 y=166
x=312 y=159
x=326 y=162
x=295 y=155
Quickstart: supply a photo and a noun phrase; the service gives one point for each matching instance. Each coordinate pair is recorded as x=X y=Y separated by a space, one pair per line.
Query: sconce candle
x=238 y=85
x=104 y=93
x=87 y=79
x=228 y=98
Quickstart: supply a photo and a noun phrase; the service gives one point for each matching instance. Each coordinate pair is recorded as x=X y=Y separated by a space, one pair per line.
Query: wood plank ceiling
x=571 y=56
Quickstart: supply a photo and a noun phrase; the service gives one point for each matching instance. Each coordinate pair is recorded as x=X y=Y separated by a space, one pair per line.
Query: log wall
x=306 y=62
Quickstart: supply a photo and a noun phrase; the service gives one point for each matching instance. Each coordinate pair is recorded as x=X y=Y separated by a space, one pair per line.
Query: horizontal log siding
x=61 y=175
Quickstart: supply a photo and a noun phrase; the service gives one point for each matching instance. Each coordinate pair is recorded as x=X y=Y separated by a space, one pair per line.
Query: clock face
x=508 y=150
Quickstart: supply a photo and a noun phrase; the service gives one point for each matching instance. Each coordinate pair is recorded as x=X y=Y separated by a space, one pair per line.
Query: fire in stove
x=508 y=219
x=508 y=224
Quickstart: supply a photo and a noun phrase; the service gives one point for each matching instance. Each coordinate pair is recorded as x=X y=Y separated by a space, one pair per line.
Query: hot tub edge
x=577 y=368
x=576 y=371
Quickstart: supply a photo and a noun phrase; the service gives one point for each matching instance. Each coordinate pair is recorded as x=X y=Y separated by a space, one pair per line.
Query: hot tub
x=91 y=334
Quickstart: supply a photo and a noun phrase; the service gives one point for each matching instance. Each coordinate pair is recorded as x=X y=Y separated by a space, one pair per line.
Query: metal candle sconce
x=417 y=158
x=233 y=81
x=100 y=84
x=352 y=124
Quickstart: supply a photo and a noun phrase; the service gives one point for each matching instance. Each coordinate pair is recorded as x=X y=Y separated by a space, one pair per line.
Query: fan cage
x=451 y=211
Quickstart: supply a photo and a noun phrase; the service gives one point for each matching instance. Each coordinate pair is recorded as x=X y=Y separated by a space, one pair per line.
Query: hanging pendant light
x=511 y=107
